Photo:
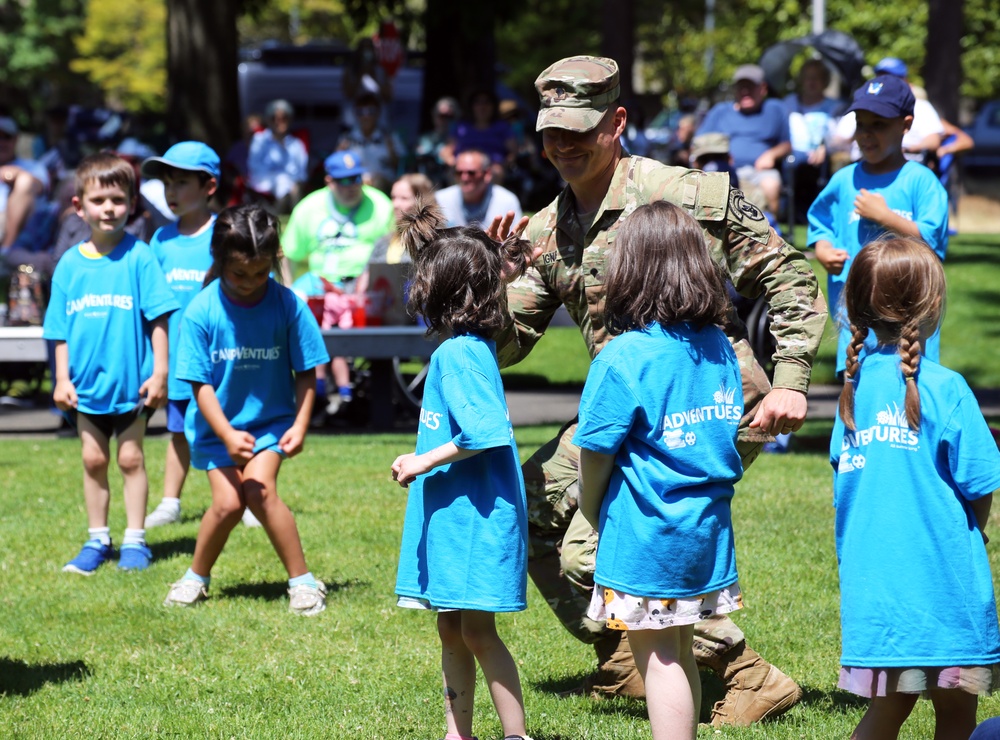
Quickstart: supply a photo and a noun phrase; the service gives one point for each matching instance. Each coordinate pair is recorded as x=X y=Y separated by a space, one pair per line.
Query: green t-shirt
x=336 y=241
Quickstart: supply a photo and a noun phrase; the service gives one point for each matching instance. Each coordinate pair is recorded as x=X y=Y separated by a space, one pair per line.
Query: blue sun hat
x=186 y=155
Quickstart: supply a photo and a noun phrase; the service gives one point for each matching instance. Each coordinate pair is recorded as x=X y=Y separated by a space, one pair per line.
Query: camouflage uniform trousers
x=562 y=550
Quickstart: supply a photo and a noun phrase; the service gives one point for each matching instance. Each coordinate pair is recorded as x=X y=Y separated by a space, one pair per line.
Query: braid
x=858 y=335
x=909 y=364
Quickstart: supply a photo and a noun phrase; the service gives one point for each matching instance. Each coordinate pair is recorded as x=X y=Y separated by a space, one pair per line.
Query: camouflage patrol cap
x=705 y=144
x=575 y=92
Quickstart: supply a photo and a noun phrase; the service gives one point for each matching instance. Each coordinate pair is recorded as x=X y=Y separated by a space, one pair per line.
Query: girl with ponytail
x=465 y=537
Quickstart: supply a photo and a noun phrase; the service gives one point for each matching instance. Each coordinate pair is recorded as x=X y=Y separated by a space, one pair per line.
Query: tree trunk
x=202 y=96
x=461 y=51
x=619 y=40
x=943 y=64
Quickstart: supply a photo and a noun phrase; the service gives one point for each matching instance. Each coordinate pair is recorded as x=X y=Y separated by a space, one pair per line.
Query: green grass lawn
x=100 y=657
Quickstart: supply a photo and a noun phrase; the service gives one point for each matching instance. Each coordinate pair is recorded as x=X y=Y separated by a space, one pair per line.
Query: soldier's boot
x=616 y=672
x=755 y=689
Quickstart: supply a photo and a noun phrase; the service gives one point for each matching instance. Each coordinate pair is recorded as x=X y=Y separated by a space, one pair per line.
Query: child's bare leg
x=178 y=464
x=260 y=479
x=458 y=666
x=479 y=631
x=954 y=713
x=341 y=371
x=673 y=687
x=223 y=514
x=132 y=463
x=885 y=715
x=96 y=453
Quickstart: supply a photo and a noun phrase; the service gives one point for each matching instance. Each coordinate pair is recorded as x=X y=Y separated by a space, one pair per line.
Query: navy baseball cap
x=186 y=155
x=343 y=164
x=891 y=66
x=886 y=95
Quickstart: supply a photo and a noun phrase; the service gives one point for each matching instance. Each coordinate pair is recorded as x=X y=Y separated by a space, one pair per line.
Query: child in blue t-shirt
x=249 y=348
x=915 y=472
x=190 y=173
x=108 y=317
x=464 y=548
x=883 y=193
x=658 y=458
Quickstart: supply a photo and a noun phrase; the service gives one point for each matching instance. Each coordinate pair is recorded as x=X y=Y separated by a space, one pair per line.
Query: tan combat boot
x=755 y=689
x=616 y=672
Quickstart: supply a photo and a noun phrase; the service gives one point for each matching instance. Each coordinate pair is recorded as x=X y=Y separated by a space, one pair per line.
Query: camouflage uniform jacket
x=570 y=271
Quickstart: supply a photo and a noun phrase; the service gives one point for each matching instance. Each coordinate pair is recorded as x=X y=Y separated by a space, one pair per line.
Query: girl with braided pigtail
x=465 y=537
x=915 y=470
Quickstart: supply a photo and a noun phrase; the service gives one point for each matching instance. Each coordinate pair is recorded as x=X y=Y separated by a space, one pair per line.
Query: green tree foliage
x=124 y=50
x=36 y=39
x=673 y=41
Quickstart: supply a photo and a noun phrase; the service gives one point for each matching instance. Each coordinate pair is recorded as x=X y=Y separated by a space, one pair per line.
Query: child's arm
x=981 y=510
x=238 y=444
x=595 y=473
x=873 y=207
x=291 y=441
x=407 y=467
x=155 y=387
x=832 y=259
x=64 y=393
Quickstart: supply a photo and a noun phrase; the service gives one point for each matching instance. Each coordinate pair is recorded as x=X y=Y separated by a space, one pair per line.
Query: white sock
x=102 y=534
x=134 y=537
x=173 y=505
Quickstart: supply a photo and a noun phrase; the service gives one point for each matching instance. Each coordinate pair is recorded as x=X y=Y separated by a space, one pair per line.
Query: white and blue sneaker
x=92 y=555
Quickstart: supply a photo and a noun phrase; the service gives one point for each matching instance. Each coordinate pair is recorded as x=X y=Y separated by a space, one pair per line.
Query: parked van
x=310 y=77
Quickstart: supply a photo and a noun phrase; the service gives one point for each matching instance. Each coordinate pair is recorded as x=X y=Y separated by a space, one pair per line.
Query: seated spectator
x=758 y=133
x=710 y=153
x=277 y=165
x=22 y=183
x=485 y=131
x=331 y=235
x=435 y=157
x=679 y=146
x=380 y=150
x=476 y=199
x=811 y=119
x=925 y=134
x=405 y=192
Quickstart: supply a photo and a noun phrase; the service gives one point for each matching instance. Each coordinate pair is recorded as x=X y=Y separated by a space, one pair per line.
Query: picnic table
x=382 y=346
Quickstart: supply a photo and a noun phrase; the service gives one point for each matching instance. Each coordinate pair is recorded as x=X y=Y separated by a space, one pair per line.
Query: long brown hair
x=896 y=287
x=458 y=282
x=660 y=270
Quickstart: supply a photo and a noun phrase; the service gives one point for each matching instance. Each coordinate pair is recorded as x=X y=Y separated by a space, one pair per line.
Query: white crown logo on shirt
x=723 y=395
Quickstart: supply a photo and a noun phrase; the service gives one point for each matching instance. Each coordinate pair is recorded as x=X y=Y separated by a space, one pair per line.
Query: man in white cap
x=759 y=137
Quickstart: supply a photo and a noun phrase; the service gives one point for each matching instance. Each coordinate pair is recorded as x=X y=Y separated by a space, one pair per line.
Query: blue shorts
x=175 y=414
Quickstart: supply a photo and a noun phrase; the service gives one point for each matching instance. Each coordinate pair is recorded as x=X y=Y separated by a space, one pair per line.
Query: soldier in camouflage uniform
x=581 y=124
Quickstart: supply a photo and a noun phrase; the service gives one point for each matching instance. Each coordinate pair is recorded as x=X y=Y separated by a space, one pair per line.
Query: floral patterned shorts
x=872 y=682
x=622 y=611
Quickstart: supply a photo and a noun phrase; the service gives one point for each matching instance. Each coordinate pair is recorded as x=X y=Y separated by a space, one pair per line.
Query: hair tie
x=911 y=378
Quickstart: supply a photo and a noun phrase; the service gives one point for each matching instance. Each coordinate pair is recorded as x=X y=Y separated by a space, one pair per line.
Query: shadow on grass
x=277 y=590
x=18 y=678
x=171 y=548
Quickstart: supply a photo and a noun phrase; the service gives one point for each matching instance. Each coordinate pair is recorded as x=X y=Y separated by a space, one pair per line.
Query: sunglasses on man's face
x=348 y=181
x=468 y=173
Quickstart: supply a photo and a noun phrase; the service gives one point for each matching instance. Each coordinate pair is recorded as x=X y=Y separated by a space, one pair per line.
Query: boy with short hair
x=884 y=192
x=190 y=174
x=108 y=317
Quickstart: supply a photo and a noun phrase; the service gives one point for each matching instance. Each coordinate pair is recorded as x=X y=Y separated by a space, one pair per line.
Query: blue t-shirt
x=750 y=134
x=912 y=192
x=185 y=260
x=102 y=308
x=915 y=584
x=666 y=402
x=465 y=538
x=248 y=354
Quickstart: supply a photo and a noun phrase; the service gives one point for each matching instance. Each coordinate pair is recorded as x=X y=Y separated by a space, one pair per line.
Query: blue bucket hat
x=886 y=95
x=186 y=155
x=343 y=164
